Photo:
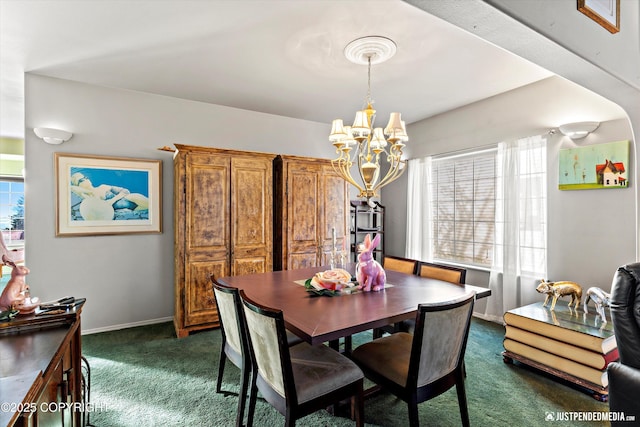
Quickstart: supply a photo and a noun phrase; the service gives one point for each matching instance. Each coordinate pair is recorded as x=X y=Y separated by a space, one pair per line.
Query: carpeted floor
x=145 y=376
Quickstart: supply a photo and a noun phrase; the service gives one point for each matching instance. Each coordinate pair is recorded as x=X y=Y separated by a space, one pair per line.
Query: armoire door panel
x=335 y=202
x=302 y=260
x=199 y=300
x=208 y=206
x=251 y=200
x=247 y=265
x=303 y=202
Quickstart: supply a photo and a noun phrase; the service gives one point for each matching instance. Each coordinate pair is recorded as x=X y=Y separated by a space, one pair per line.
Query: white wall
x=573 y=50
x=128 y=279
x=579 y=221
x=560 y=20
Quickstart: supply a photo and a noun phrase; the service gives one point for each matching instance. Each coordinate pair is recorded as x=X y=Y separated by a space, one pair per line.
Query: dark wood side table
x=40 y=370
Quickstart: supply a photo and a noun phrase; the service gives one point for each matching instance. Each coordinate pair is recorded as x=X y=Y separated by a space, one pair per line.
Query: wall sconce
x=578 y=130
x=52 y=136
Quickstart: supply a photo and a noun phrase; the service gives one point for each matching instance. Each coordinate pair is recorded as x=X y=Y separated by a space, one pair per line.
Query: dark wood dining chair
x=402 y=265
x=300 y=379
x=235 y=345
x=420 y=366
x=448 y=273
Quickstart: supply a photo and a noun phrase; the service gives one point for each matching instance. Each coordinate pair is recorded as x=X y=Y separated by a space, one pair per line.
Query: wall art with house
x=594 y=166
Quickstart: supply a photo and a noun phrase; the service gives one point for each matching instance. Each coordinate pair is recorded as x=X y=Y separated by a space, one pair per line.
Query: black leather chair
x=624 y=375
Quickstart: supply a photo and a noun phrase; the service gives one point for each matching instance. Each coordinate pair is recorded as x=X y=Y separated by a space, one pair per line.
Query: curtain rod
x=465 y=151
x=476 y=150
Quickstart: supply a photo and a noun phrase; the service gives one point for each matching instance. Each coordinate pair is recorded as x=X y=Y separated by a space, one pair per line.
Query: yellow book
x=594 y=376
x=590 y=358
x=565 y=324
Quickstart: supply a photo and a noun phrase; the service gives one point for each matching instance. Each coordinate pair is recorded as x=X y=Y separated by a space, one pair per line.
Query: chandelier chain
x=369 y=80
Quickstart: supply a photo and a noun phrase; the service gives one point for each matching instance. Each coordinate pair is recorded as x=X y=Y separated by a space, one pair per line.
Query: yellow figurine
x=559 y=289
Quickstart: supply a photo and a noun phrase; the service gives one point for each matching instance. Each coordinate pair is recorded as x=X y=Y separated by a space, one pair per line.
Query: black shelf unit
x=366 y=219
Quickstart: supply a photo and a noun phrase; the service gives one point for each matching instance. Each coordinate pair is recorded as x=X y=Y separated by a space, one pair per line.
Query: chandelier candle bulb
x=403 y=134
x=361 y=124
x=337 y=132
x=378 y=143
x=394 y=126
x=349 y=140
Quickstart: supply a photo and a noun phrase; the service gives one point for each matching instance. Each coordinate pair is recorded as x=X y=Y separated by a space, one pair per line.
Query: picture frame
x=596 y=166
x=604 y=12
x=104 y=195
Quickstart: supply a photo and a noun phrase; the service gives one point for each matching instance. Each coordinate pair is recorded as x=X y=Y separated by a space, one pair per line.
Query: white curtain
x=519 y=256
x=419 y=186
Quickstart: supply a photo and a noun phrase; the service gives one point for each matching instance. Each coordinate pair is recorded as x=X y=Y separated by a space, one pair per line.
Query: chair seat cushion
x=388 y=356
x=318 y=370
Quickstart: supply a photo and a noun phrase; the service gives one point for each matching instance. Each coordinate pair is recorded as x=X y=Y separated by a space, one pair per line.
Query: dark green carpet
x=145 y=376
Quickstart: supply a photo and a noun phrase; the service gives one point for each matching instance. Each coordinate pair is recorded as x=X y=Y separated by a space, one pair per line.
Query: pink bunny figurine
x=369 y=273
x=16 y=291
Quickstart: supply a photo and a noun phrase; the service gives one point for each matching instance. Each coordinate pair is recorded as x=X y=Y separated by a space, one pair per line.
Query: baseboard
x=489 y=318
x=126 y=325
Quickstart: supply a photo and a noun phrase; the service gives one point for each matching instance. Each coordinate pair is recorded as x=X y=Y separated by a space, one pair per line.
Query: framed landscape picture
x=594 y=166
x=107 y=195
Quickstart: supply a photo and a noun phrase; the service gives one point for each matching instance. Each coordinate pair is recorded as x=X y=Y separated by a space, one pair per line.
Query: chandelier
x=370 y=148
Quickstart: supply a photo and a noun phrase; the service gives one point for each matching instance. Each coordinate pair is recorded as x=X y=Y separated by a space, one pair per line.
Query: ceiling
x=281 y=57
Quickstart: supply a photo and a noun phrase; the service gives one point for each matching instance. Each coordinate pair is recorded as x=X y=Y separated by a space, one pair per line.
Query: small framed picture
x=604 y=12
x=107 y=195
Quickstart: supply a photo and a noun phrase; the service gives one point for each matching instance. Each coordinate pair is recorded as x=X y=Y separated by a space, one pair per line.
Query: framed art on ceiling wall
x=101 y=195
x=594 y=166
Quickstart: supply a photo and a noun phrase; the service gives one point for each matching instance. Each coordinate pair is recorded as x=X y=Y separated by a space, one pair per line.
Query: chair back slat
x=401 y=265
x=447 y=273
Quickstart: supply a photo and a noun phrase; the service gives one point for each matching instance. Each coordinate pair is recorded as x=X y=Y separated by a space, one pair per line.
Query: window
x=463 y=207
x=12 y=212
x=481 y=208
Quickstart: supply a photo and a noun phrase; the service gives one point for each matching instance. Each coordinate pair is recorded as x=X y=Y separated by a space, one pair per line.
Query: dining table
x=321 y=318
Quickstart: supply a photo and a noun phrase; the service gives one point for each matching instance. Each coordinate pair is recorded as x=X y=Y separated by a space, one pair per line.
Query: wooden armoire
x=311 y=200
x=223 y=225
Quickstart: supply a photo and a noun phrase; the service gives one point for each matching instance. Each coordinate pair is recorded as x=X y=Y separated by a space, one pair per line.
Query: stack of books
x=565 y=342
